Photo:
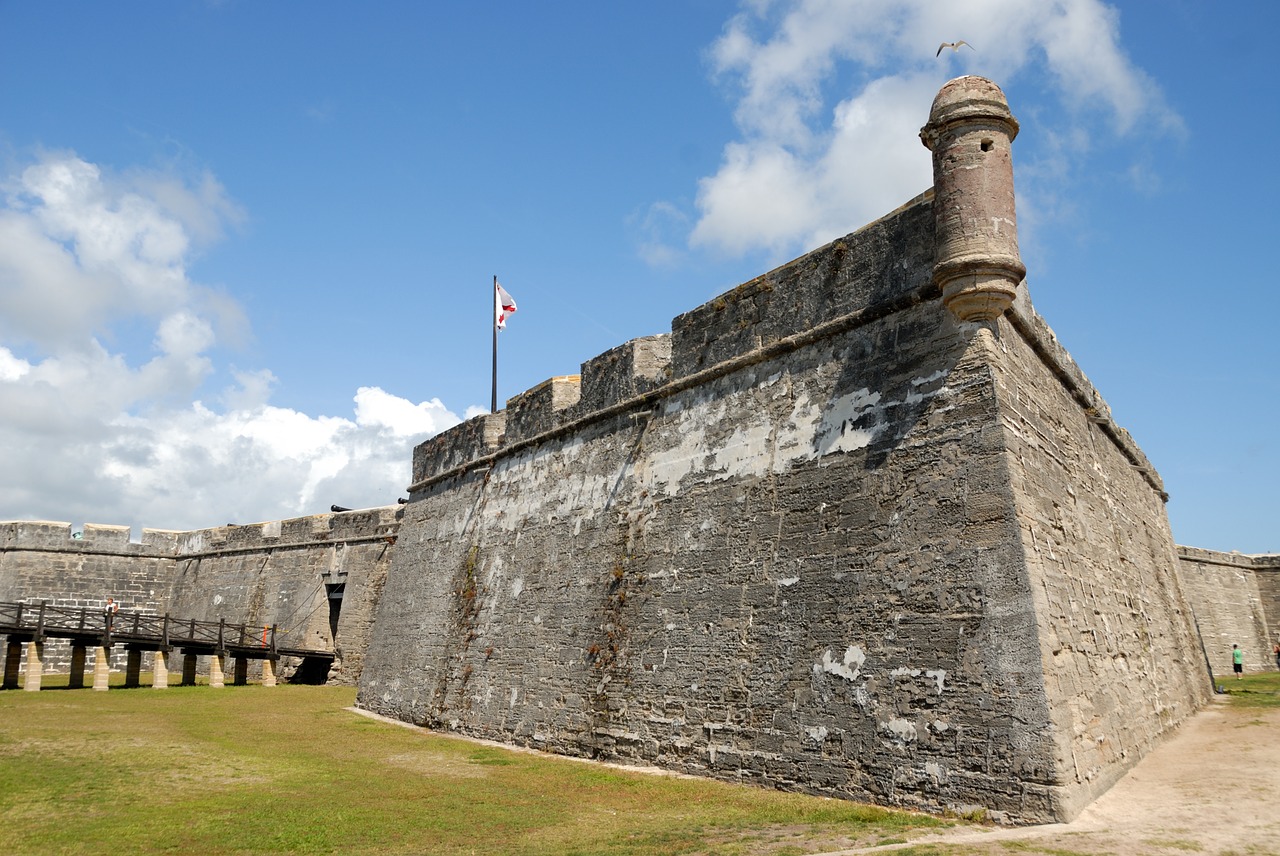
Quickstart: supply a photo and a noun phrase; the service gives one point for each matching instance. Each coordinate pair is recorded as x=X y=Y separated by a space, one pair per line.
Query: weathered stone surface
x=1267 y=573
x=826 y=535
x=459 y=445
x=543 y=408
x=853 y=546
x=970 y=130
x=1226 y=593
x=265 y=574
x=1116 y=637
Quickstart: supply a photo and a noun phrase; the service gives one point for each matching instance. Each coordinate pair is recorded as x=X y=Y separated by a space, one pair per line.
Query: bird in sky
x=955 y=46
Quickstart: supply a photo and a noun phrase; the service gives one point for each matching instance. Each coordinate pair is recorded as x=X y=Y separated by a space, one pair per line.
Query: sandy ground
x=1213 y=788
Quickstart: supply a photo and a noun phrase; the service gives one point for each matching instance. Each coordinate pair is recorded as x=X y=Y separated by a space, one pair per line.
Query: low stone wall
x=46 y=561
x=1266 y=569
x=284 y=573
x=40 y=560
x=1226 y=593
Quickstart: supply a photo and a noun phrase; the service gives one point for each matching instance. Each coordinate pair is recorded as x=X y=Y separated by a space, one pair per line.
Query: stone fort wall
x=858 y=527
x=1236 y=600
x=278 y=573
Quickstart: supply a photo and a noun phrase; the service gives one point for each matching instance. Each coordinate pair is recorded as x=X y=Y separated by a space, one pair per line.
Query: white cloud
x=402 y=418
x=82 y=249
x=95 y=435
x=831 y=95
x=657 y=232
x=12 y=368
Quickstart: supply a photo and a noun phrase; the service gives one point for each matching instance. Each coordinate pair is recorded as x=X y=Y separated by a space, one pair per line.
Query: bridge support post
x=268 y=673
x=101 y=668
x=216 y=678
x=188 y=670
x=35 y=666
x=12 y=664
x=160 y=671
x=242 y=671
x=75 y=680
x=132 y=668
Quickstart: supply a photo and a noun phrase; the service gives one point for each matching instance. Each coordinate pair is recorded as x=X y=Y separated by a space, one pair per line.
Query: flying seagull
x=955 y=46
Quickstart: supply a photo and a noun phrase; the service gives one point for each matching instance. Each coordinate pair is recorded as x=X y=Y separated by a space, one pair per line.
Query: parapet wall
x=1267 y=572
x=41 y=560
x=284 y=573
x=1236 y=600
x=813 y=298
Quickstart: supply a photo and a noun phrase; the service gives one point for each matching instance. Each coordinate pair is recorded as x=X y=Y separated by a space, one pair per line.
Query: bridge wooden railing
x=36 y=621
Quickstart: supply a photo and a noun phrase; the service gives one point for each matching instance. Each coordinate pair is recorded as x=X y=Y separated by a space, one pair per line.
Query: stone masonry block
x=162 y=540
x=35 y=533
x=465 y=442
x=544 y=407
x=881 y=263
x=626 y=371
x=101 y=535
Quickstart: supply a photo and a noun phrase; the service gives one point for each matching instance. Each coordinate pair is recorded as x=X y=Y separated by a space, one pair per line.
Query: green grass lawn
x=1261 y=689
x=289 y=770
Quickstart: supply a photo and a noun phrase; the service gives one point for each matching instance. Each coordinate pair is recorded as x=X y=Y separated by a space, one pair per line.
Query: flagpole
x=493 y=321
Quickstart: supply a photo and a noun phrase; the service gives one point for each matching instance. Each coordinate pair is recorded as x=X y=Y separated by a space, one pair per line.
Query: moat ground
x=1212 y=788
x=225 y=771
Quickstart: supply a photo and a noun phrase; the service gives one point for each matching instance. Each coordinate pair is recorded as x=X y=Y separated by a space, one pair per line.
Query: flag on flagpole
x=503 y=305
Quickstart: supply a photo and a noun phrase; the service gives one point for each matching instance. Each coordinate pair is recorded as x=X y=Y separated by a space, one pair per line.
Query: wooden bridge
x=32 y=623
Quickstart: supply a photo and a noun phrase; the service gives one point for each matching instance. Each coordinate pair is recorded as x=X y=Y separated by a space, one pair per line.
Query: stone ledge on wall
x=98 y=538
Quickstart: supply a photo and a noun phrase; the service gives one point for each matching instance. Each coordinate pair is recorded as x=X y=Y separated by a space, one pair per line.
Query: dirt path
x=1213 y=788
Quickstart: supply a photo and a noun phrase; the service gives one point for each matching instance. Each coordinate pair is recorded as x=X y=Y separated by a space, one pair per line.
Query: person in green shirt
x=1237 y=661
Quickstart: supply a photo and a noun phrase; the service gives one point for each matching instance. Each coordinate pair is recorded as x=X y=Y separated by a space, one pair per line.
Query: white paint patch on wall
x=494 y=574
x=794 y=440
x=664 y=469
x=849 y=667
x=927 y=379
x=567 y=481
x=837 y=434
x=556 y=482
x=747 y=452
x=901 y=729
x=939 y=675
x=816 y=426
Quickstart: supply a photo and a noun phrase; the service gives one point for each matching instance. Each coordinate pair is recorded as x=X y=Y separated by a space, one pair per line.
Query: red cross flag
x=503 y=305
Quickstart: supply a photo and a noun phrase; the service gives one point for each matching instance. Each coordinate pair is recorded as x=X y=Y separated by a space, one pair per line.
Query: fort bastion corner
x=858 y=527
x=841 y=531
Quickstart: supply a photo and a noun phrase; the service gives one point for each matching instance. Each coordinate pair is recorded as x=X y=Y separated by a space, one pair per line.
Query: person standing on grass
x=1275 y=649
x=1237 y=661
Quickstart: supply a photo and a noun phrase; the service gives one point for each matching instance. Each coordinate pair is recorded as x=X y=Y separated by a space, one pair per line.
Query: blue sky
x=246 y=248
